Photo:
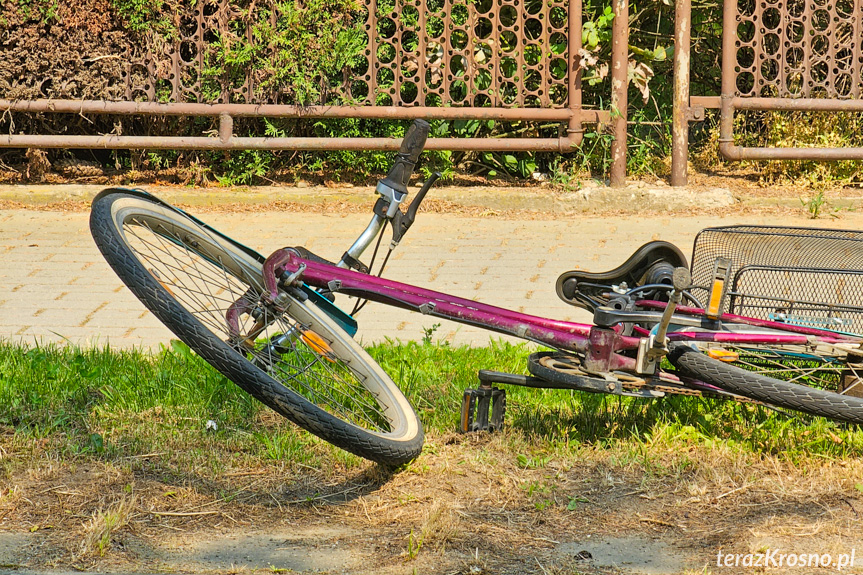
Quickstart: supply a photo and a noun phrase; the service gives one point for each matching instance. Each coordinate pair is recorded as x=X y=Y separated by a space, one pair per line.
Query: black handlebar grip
x=415 y=140
x=409 y=153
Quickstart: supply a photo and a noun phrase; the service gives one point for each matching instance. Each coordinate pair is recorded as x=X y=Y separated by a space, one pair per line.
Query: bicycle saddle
x=653 y=263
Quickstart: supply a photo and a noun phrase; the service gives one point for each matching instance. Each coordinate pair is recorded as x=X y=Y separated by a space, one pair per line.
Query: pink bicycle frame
x=558 y=334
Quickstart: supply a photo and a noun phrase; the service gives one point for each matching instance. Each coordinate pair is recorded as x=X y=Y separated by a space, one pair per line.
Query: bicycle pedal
x=482 y=409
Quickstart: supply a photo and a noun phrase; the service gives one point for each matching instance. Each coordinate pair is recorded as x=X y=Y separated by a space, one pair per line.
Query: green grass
x=435 y=376
x=112 y=404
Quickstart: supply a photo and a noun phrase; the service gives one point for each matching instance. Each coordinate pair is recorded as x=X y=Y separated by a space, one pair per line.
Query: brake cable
x=361 y=303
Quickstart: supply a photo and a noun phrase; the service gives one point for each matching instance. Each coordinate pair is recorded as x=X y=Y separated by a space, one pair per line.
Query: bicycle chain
x=631 y=383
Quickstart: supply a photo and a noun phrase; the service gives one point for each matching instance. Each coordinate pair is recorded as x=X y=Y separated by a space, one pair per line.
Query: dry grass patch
x=103 y=525
x=439 y=526
x=472 y=502
x=698 y=475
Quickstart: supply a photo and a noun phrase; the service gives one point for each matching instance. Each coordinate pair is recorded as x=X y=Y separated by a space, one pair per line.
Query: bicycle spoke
x=793 y=365
x=335 y=378
x=188 y=295
x=330 y=378
x=163 y=248
x=209 y=312
x=177 y=270
x=858 y=383
x=207 y=287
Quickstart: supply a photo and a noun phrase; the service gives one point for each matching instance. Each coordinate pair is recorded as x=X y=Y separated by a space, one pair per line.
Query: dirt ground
x=468 y=505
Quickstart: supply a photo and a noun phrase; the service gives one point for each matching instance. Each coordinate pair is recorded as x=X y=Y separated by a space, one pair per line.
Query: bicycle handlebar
x=411 y=148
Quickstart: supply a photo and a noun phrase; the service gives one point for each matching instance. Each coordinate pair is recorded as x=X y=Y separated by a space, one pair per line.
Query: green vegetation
x=146 y=15
x=650 y=114
x=293 y=50
x=809 y=129
x=110 y=404
x=44 y=11
x=137 y=15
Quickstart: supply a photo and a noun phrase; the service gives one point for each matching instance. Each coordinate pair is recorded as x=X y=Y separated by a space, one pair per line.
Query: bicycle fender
x=148 y=196
x=345 y=321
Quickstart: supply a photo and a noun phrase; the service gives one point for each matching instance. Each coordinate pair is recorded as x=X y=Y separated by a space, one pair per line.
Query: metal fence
x=777 y=55
x=790 y=55
x=505 y=60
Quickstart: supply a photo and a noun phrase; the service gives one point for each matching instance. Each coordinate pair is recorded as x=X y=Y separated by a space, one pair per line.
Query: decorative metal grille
x=421 y=53
x=476 y=54
x=500 y=60
x=799 y=48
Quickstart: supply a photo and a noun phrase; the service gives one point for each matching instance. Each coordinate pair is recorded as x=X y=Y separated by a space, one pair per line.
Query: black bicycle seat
x=652 y=263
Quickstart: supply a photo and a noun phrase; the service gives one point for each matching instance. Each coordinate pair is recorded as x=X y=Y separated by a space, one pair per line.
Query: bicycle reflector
x=718 y=288
x=317 y=344
x=723 y=355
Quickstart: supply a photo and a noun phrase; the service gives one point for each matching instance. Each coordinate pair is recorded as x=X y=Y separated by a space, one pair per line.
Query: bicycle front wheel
x=292 y=357
x=819 y=380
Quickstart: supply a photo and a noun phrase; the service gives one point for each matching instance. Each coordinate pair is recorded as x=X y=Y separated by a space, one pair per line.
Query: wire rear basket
x=803 y=276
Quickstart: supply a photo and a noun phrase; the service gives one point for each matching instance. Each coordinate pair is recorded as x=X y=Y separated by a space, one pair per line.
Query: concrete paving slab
x=55 y=286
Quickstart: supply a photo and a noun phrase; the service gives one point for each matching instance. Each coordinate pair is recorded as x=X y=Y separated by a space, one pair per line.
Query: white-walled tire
x=301 y=363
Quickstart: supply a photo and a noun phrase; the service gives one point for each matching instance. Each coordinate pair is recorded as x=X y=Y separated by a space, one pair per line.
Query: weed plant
x=806 y=130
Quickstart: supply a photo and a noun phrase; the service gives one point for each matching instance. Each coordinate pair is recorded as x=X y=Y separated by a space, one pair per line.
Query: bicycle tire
x=771 y=390
x=362 y=411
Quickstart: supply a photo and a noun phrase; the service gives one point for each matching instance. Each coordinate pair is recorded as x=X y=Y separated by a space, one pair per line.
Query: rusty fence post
x=574 y=129
x=619 y=87
x=680 y=115
x=729 y=75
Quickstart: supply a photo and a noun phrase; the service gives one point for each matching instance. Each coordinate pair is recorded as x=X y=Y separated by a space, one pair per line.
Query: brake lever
x=403 y=221
x=415 y=204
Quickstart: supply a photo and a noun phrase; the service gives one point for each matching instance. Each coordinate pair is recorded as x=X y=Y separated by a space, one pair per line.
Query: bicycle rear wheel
x=292 y=357
x=819 y=380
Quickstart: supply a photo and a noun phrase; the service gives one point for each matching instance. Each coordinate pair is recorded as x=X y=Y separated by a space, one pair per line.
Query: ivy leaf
x=660 y=54
x=585 y=31
x=526 y=168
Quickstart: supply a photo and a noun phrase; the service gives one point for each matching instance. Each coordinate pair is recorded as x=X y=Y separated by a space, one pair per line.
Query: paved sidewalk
x=55 y=287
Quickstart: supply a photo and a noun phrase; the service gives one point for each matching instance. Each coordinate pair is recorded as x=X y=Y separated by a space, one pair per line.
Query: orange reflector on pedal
x=317 y=344
x=716 y=292
x=723 y=355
